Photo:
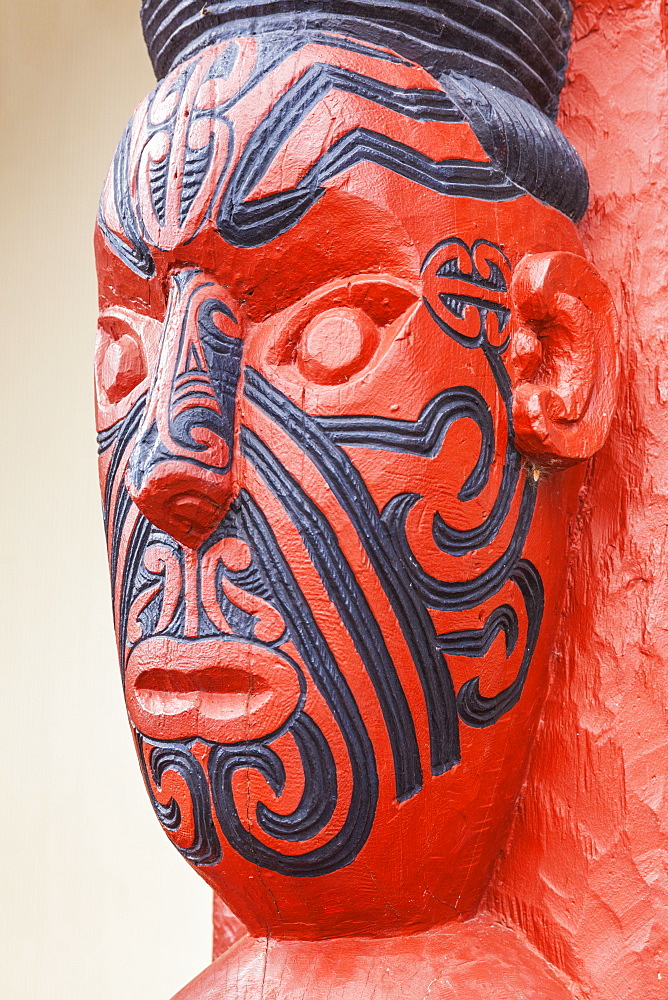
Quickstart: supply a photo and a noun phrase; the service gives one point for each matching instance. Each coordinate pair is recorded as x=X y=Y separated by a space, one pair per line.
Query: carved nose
x=180 y=472
x=185 y=503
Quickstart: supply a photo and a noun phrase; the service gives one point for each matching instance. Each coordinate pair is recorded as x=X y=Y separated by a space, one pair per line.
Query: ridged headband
x=520 y=46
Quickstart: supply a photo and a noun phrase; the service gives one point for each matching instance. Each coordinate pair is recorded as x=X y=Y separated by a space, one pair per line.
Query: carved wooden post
x=351 y=359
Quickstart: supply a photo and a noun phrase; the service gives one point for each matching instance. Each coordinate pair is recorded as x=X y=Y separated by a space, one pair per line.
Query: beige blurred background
x=94 y=901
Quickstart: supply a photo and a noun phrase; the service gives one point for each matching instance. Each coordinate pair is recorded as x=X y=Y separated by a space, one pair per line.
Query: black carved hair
x=518 y=45
x=501 y=61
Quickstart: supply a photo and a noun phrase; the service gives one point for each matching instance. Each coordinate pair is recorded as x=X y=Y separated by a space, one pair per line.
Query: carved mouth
x=221 y=690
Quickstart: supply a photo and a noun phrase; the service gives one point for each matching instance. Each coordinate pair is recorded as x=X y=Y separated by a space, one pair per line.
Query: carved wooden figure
x=351 y=360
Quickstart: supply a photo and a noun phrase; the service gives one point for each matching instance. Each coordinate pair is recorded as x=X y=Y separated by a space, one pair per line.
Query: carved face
x=335 y=579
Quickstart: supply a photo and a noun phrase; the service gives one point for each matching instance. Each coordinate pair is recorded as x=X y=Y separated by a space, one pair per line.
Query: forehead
x=331 y=159
x=246 y=140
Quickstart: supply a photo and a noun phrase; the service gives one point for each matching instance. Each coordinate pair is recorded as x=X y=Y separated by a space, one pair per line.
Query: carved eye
x=335 y=333
x=336 y=344
x=120 y=362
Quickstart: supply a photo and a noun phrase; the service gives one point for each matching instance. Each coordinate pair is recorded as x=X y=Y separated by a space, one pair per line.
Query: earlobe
x=563 y=359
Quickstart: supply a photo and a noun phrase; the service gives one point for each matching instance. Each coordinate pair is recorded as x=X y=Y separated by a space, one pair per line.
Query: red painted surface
x=584 y=874
x=553 y=822
x=478 y=959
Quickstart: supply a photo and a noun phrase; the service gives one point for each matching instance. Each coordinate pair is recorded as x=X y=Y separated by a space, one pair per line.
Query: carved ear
x=563 y=359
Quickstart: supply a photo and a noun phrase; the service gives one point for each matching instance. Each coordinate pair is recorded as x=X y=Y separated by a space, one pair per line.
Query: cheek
x=548 y=544
x=120 y=367
x=125 y=352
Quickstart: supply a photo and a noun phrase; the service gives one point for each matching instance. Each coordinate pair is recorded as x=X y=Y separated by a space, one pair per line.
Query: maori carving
x=180 y=598
x=328 y=269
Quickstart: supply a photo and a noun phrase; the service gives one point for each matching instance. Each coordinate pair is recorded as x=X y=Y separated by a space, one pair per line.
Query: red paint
x=187 y=501
x=564 y=352
x=584 y=874
x=478 y=959
x=218 y=690
x=340 y=314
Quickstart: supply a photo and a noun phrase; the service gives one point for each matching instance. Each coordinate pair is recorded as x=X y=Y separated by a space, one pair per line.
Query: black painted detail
x=527 y=147
x=260 y=220
x=206 y=374
x=120 y=435
x=250 y=523
x=527 y=153
x=247 y=222
x=308 y=819
x=448 y=539
x=423 y=436
x=124 y=426
x=350 y=490
x=205 y=849
x=451 y=267
x=269 y=575
x=135 y=252
x=452 y=303
x=158 y=176
x=411 y=591
x=252 y=581
x=196 y=167
x=456 y=304
x=518 y=45
x=477 y=641
x=352 y=606
x=134 y=556
x=459 y=595
x=320 y=793
x=474 y=708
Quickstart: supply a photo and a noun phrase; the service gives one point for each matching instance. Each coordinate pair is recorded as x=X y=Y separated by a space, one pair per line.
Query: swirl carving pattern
x=239 y=587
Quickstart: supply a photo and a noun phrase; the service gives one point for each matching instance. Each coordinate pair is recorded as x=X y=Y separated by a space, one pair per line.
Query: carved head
x=349 y=358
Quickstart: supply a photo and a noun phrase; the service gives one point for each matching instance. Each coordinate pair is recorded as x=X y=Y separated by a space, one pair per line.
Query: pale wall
x=95 y=903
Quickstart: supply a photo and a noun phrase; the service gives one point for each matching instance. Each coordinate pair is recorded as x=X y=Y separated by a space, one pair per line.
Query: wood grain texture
x=478 y=959
x=585 y=873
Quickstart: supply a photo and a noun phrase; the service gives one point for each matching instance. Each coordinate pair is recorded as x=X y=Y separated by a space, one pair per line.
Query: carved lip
x=221 y=690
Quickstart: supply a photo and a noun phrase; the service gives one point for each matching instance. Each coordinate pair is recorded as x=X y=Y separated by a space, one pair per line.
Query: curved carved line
x=133 y=561
x=205 y=849
x=344 y=847
x=524 y=51
x=136 y=255
x=352 y=606
x=423 y=436
x=253 y=223
x=474 y=708
x=351 y=492
x=319 y=798
x=120 y=433
x=477 y=642
x=458 y=595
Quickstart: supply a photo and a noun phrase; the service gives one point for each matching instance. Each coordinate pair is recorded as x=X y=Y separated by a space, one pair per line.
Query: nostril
x=180 y=472
x=191 y=519
x=186 y=502
x=198 y=514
